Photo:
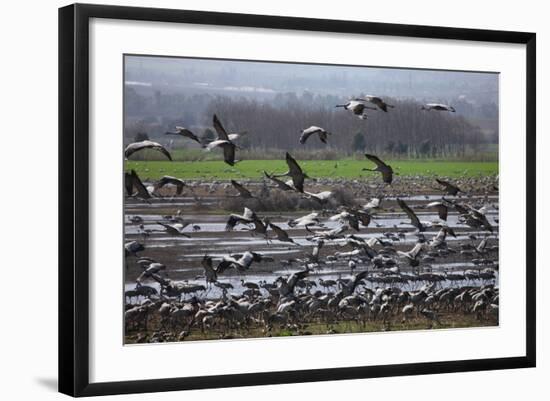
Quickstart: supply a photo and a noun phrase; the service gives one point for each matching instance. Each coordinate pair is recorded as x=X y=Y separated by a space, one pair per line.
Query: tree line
x=404 y=131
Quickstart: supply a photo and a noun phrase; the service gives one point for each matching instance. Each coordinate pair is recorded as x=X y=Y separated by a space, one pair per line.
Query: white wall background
x=28 y=87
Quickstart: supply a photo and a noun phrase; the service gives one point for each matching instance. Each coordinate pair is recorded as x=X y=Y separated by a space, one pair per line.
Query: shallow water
x=183 y=256
x=390 y=221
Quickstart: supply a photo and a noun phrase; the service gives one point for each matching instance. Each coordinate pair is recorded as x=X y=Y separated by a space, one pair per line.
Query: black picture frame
x=74 y=200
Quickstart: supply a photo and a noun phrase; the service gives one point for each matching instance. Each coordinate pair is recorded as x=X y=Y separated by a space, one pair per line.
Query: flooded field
x=451 y=282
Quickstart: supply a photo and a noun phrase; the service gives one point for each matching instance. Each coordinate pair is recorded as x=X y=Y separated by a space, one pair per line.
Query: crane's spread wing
x=131 y=149
x=442 y=209
x=164 y=151
x=162 y=182
x=170 y=180
x=249 y=214
x=459 y=208
x=128 y=183
x=248 y=217
x=278 y=230
x=383 y=106
x=229 y=153
x=132 y=182
x=298 y=182
x=295 y=171
x=387 y=175
x=233 y=220
x=175 y=228
x=295 y=277
x=375 y=160
x=307 y=133
x=186 y=133
x=281 y=184
x=358 y=277
x=245 y=193
x=225 y=264
x=414 y=219
x=304 y=136
x=179 y=187
x=222 y=133
x=282 y=235
x=451 y=189
x=363 y=217
x=137 y=146
x=312 y=130
x=385 y=169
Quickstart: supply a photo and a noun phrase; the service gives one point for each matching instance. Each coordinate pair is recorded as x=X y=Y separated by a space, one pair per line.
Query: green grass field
x=152 y=170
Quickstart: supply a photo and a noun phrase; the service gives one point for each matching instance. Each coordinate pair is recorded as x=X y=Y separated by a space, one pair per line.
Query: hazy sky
x=264 y=78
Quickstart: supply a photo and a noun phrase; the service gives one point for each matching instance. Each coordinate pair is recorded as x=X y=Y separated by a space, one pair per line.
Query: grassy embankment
x=448 y=321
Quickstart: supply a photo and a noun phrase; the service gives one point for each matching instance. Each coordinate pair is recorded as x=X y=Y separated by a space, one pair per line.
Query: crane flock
x=344 y=266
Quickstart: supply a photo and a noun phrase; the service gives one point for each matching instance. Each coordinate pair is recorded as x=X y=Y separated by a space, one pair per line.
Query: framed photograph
x=251 y=199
